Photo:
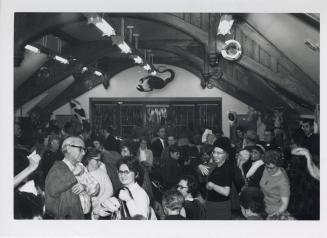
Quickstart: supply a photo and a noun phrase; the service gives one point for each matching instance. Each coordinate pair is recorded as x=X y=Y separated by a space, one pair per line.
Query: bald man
x=61 y=187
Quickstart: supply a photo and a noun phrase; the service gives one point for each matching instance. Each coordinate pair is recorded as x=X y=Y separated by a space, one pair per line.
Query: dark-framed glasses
x=124 y=172
x=80 y=147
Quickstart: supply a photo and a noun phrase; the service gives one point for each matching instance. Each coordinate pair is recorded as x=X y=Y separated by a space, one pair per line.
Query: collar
x=69 y=164
x=134 y=186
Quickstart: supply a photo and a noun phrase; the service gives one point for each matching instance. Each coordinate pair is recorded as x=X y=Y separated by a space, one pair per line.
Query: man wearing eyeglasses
x=61 y=186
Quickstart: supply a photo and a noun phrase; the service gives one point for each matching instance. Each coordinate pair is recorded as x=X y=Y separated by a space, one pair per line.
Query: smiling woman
x=218 y=205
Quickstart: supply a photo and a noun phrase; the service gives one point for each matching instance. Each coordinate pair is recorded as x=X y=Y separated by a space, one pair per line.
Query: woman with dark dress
x=219 y=183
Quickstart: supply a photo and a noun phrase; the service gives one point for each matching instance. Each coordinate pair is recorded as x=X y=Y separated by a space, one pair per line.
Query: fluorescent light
x=32 y=48
x=225 y=24
x=138 y=60
x=61 y=59
x=97 y=73
x=146 y=67
x=124 y=48
x=103 y=26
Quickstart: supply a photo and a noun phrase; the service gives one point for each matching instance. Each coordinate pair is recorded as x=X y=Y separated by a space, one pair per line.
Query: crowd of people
x=61 y=174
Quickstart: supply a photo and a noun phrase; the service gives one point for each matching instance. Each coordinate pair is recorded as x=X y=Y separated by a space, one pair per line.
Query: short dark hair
x=307 y=120
x=192 y=184
x=173 y=200
x=252 y=198
x=273 y=157
x=90 y=154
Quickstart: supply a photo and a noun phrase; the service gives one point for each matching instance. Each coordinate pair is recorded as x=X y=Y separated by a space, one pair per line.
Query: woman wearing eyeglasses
x=132 y=196
x=93 y=160
x=275 y=184
x=219 y=182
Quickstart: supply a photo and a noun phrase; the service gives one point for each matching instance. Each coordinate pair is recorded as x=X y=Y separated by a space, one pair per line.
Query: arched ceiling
x=272 y=71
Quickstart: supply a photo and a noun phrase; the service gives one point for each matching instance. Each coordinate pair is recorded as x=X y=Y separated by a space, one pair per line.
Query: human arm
x=139 y=204
x=34 y=160
x=223 y=190
x=59 y=179
x=312 y=168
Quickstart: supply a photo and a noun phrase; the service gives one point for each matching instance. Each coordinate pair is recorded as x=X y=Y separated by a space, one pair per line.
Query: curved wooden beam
x=172 y=21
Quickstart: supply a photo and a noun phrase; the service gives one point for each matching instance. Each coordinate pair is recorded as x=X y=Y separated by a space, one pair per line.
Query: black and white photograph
x=204 y=122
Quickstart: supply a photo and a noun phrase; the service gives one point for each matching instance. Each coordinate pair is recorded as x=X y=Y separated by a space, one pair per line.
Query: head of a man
x=73 y=149
x=162 y=132
x=307 y=127
x=172 y=202
x=268 y=135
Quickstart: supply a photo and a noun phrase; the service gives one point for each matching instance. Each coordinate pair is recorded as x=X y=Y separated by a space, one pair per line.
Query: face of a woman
x=219 y=155
x=255 y=155
x=271 y=168
x=94 y=163
x=54 y=145
x=125 y=151
x=126 y=176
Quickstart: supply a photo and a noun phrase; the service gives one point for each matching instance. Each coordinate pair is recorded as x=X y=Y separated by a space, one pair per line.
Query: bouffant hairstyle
x=173 y=200
x=192 y=184
x=273 y=157
x=252 y=198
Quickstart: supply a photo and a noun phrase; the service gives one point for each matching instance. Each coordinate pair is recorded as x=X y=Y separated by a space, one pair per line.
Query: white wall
x=185 y=84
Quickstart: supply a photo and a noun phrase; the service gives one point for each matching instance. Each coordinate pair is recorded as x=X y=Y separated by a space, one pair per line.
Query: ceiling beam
x=281 y=58
x=85 y=54
x=30 y=26
x=286 y=82
x=171 y=21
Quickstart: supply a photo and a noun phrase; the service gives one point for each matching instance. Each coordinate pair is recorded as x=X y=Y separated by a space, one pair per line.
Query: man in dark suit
x=159 y=144
x=110 y=143
x=157 y=147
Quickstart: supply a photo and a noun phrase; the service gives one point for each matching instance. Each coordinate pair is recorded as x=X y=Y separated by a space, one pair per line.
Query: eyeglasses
x=80 y=147
x=270 y=167
x=123 y=172
x=180 y=186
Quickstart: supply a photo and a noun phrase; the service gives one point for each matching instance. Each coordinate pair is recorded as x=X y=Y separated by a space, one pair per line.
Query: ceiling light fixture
x=225 y=24
x=138 y=60
x=61 y=59
x=124 y=48
x=146 y=67
x=102 y=25
x=32 y=48
x=97 y=73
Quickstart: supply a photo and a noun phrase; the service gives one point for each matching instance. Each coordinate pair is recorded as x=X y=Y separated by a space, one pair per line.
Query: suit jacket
x=60 y=201
x=157 y=148
x=111 y=144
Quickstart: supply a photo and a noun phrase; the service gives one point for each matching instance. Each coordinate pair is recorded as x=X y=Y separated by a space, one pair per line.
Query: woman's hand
x=34 y=160
x=210 y=185
x=301 y=152
x=124 y=195
x=204 y=169
x=78 y=188
x=111 y=204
